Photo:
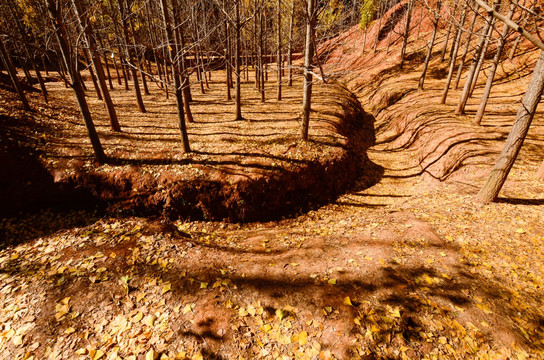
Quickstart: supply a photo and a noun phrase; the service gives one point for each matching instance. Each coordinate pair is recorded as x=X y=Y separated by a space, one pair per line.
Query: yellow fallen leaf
x=280 y=313
x=203 y=285
x=96 y=354
x=223 y=272
x=395 y=313
x=242 y=312
x=139 y=316
x=17 y=340
x=301 y=338
x=251 y=310
x=357 y=321
x=197 y=356
x=149 y=320
x=332 y=281
x=69 y=330
x=186 y=309
x=266 y=328
x=151 y=355
x=347 y=301
x=166 y=287
x=520 y=231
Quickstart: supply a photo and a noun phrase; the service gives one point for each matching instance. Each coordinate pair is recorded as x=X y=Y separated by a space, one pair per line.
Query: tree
x=308 y=67
x=431 y=45
x=524 y=117
x=87 y=28
x=493 y=69
x=453 y=57
x=54 y=9
x=8 y=63
x=173 y=52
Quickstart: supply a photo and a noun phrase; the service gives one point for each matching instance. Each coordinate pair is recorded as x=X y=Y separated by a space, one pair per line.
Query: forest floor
x=406 y=268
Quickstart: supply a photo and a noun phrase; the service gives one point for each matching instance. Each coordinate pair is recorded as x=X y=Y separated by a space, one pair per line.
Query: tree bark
x=8 y=63
x=465 y=52
x=481 y=59
x=445 y=48
x=54 y=11
x=237 y=85
x=97 y=64
x=532 y=97
x=308 y=62
x=493 y=70
x=130 y=57
x=406 y=32
x=279 y=59
x=475 y=59
x=173 y=53
x=429 y=50
x=454 y=56
x=290 y=46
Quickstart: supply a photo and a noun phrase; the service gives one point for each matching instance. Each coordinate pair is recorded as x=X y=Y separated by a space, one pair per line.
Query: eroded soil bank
x=269 y=173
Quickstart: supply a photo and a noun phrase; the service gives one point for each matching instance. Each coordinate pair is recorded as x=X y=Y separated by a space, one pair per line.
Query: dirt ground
x=403 y=266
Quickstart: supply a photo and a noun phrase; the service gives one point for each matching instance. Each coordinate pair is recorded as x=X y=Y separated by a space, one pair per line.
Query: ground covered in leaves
x=400 y=267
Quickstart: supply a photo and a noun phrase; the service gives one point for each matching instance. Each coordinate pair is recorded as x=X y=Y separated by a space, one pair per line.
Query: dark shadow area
x=518 y=201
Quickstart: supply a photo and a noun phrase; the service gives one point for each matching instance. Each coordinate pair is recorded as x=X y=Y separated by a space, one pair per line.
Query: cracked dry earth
x=399 y=269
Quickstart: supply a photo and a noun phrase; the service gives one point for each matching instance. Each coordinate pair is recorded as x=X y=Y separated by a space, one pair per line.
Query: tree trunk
x=456 y=45
x=468 y=82
x=378 y=34
x=173 y=53
x=290 y=46
x=13 y=75
x=518 y=38
x=308 y=61
x=237 y=86
x=493 y=70
x=406 y=33
x=445 y=48
x=261 y=57
x=130 y=57
x=494 y=183
x=481 y=59
x=279 y=59
x=86 y=26
x=17 y=19
x=70 y=63
x=429 y=50
x=465 y=52
x=228 y=68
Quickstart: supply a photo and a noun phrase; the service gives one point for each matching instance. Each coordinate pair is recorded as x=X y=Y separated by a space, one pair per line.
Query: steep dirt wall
x=269 y=195
x=268 y=189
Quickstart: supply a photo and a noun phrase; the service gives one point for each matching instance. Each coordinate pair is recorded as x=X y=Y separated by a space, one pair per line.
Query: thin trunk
x=290 y=46
x=493 y=70
x=237 y=92
x=228 y=68
x=518 y=38
x=173 y=53
x=308 y=57
x=378 y=34
x=87 y=27
x=279 y=59
x=94 y=80
x=130 y=57
x=481 y=59
x=445 y=48
x=453 y=57
x=406 y=33
x=465 y=52
x=429 y=50
x=261 y=59
x=8 y=63
x=17 y=18
x=468 y=82
x=490 y=191
x=70 y=62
